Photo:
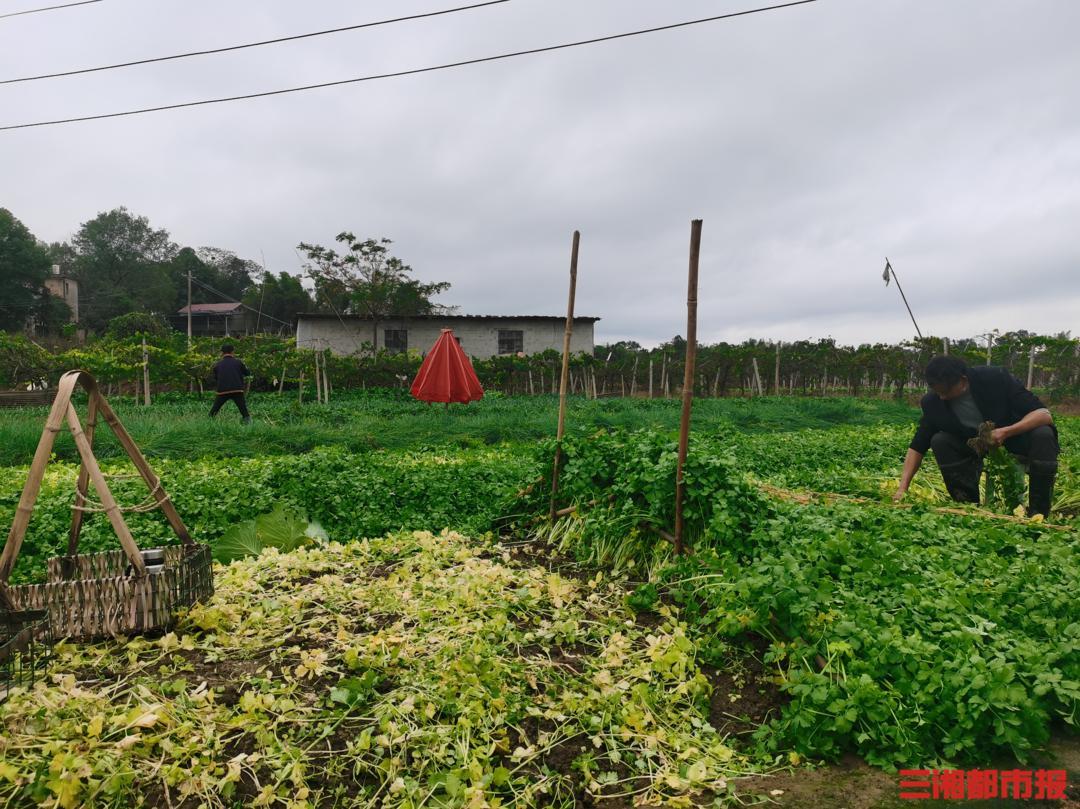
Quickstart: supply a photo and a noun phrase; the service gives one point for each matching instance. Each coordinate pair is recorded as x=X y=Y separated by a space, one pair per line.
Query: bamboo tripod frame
x=148 y=605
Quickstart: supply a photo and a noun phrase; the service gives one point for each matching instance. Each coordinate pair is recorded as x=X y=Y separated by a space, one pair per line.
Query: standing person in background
x=961 y=400
x=229 y=373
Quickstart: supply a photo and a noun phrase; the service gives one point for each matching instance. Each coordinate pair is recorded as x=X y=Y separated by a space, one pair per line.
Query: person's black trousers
x=961 y=467
x=237 y=397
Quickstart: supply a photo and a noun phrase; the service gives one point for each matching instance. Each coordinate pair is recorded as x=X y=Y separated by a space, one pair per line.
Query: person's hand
x=998 y=436
x=899 y=495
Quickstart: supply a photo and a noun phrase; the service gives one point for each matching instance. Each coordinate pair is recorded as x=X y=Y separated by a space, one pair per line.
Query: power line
x=226 y=297
x=412 y=72
x=254 y=44
x=47 y=8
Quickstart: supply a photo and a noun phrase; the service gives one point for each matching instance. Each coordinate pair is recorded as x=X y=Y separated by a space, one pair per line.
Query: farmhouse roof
x=560 y=318
x=212 y=308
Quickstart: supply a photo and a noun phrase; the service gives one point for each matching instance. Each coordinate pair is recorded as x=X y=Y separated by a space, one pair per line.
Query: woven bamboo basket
x=87 y=596
x=25 y=646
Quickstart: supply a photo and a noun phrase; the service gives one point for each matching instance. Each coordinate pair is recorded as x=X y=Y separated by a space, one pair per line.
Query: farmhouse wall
x=479 y=336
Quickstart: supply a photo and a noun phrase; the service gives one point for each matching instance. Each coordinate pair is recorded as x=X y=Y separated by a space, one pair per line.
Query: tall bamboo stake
x=565 y=372
x=1031 y=368
x=145 y=373
x=776 y=373
x=650 y=378
x=688 y=378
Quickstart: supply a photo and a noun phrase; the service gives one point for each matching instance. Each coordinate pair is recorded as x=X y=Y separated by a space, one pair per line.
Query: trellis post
x=688 y=378
x=565 y=371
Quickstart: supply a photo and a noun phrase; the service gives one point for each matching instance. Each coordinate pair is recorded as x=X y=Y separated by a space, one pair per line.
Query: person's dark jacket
x=1000 y=397
x=229 y=374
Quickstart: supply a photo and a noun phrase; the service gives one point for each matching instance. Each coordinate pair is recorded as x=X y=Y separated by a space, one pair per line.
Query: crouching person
x=962 y=398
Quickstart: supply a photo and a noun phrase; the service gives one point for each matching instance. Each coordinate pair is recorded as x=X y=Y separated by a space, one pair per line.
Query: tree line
x=126 y=266
x=753 y=367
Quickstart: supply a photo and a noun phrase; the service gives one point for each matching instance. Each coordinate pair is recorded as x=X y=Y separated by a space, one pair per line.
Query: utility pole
x=189 y=310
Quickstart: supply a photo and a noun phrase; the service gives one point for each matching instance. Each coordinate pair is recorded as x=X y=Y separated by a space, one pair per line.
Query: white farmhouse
x=479 y=335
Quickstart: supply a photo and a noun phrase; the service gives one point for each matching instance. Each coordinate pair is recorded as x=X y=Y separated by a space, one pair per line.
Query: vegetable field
x=416 y=632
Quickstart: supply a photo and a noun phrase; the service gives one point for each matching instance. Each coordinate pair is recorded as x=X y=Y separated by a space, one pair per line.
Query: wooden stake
x=1031 y=368
x=633 y=375
x=281 y=381
x=101 y=486
x=688 y=378
x=145 y=373
x=141 y=466
x=53 y=425
x=757 y=378
x=565 y=372
x=776 y=373
x=650 y=378
x=300 y=392
x=77 y=514
x=318 y=381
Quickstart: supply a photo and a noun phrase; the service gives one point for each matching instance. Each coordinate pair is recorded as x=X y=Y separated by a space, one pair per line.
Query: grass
x=177 y=426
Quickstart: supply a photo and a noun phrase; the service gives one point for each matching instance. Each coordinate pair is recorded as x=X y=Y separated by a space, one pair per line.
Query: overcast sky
x=813 y=141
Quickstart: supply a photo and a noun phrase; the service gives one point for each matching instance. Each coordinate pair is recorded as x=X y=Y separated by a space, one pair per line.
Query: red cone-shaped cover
x=447 y=374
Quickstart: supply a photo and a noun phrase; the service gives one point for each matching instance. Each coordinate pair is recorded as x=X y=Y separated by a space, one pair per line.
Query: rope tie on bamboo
x=149 y=504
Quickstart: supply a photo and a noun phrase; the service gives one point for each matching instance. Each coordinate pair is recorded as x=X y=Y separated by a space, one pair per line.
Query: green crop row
x=353 y=495
x=906 y=635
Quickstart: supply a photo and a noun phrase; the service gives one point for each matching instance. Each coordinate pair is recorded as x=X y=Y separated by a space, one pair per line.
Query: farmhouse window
x=511 y=341
x=396 y=340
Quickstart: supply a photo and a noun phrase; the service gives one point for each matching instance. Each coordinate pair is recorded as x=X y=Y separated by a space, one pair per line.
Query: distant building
x=66 y=288
x=214 y=320
x=479 y=335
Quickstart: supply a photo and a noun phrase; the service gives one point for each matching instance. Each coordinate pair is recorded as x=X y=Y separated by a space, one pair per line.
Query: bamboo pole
x=77 y=514
x=650 y=377
x=141 y=466
x=1031 y=368
x=146 y=373
x=776 y=373
x=53 y=425
x=565 y=371
x=757 y=378
x=688 y=378
x=101 y=486
x=318 y=381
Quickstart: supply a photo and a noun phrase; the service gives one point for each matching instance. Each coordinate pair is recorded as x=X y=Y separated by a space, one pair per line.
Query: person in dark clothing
x=961 y=399
x=229 y=373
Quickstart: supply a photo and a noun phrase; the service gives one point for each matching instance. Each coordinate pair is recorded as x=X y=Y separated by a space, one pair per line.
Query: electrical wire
x=254 y=44
x=47 y=8
x=413 y=72
x=218 y=292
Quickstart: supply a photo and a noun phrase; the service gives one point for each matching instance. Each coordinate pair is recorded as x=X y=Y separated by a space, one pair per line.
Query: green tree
x=122 y=266
x=24 y=265
x=279 y=298
x=230 y=274
x=367 y=280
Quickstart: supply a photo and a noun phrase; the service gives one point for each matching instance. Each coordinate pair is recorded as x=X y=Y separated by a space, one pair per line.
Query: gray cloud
x=812 y=141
